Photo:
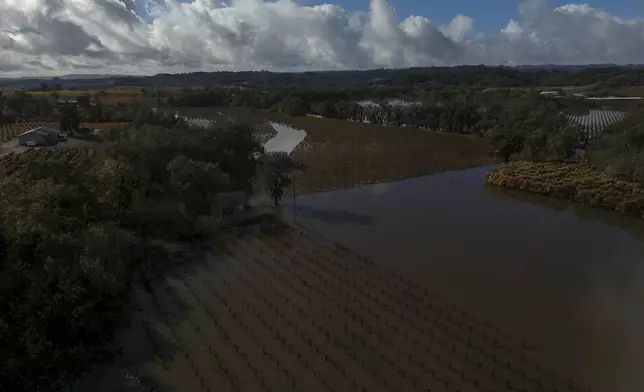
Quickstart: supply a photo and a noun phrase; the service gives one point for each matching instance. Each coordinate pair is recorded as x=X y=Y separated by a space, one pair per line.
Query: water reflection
x=583 y=212
x=567 y=278
x=334 y=216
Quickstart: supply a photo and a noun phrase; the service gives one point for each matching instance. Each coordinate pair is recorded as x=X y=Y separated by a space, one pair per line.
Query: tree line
x=21 y=106
x=619 y=151
x=75 y=226
x=482 y=76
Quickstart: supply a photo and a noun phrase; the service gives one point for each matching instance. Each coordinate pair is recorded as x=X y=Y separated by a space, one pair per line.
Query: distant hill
x=546 y=75
x=90 y=76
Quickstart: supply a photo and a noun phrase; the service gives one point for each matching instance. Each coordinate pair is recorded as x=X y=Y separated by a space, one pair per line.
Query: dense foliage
x=75 y=223
x=22 y=106
x=577 y=182
x=453 y=76
x=446 y=110
x=553 y=76
x=620 y=150
x=611 y=175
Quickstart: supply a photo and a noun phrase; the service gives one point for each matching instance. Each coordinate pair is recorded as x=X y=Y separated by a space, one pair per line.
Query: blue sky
x=489 y=14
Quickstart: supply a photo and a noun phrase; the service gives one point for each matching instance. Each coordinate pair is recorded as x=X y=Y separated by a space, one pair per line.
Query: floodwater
x=566 y=278
x=286 y=140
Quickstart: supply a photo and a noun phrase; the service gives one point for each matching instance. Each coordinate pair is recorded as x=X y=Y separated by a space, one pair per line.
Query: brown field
x=631 y=91
x=11 y=131
x=12 y=163
x=103 y=125
x=340 y=154
x=289 y=311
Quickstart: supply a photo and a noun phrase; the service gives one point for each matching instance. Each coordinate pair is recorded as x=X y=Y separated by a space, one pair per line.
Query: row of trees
x=544 y=134
x=481 y=76
x=22 y=106
x=455 y=117
x=460 y=110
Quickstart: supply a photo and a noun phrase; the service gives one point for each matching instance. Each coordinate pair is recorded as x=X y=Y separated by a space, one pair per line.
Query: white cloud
x=513 y=29
x=60 y=36
x=459 y=29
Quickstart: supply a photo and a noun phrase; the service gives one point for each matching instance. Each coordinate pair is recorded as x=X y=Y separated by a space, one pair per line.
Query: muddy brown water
x=568 y=279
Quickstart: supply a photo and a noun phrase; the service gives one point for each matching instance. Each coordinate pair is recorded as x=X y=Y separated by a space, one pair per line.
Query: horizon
x=148 y=37
x=80 y=76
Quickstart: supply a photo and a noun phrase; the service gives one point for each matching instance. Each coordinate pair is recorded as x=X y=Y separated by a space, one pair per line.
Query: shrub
x=577 y=182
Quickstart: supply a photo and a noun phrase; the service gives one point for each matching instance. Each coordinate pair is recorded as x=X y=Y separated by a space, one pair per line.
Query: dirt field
x=340 y=154
x=290 y=311
x=103 y=125
x=631 y=91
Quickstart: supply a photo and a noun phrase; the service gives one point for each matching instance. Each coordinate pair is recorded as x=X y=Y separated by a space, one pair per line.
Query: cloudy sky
x=53 y=37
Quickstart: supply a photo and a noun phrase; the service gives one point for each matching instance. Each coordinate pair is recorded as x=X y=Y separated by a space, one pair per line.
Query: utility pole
x=294 y=208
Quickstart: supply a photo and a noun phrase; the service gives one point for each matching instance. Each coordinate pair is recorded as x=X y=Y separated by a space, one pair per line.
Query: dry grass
x=290 y=311
x=341 y=154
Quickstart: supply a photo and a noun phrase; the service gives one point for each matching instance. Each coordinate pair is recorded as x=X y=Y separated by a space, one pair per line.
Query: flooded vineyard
x=290 y=311
x=569 y=279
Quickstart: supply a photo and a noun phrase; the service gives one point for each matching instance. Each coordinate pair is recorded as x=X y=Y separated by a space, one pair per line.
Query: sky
x=56 y=37
x=491 y=14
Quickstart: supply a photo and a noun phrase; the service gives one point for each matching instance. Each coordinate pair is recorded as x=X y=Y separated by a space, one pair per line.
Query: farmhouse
x=38 y=137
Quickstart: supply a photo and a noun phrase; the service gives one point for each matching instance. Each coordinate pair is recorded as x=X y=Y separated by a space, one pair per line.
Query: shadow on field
x=334 y=216
x=147 y=352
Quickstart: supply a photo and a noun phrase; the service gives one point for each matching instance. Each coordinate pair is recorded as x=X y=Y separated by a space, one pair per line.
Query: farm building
x=596 y=121
x=38 y=137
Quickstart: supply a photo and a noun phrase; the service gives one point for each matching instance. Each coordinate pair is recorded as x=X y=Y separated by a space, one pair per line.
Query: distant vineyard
x=14 y=163
x=11 y=131
x=596 y=121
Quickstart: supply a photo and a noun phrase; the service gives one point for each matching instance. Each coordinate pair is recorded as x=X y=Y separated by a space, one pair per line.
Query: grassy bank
x=577 y=182
x=341 y=154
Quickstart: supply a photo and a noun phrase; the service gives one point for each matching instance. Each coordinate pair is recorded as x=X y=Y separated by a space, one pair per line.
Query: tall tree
x=69 y=118
x=277 y=168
